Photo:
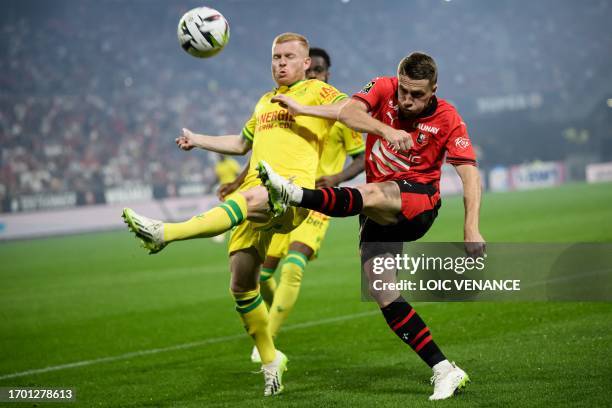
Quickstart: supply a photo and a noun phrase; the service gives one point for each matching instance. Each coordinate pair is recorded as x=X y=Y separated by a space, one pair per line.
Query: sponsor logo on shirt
x=462 y=142
x=427 y=128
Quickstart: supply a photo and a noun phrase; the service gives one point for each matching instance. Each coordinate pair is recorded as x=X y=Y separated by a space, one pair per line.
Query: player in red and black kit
x=410 y=133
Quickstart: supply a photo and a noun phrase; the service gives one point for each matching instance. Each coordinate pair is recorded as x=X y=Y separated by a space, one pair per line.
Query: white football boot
x=149 y=231
x=447 y=380
x=281 y=192
x=273 y=374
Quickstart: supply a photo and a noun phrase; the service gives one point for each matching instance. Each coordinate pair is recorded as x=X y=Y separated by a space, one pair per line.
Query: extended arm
x=229 y=144
x=352 y=170
x=470 y=178
x=352 y=113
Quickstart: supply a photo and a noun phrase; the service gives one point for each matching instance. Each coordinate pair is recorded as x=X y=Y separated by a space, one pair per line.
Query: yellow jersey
x=291 y=145
x=227 y=170
x=341 y=141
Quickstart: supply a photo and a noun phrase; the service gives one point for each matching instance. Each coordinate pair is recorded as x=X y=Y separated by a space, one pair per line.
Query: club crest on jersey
x=393 y=106
x=422 y=139
x=462 y=142
x=367 y=88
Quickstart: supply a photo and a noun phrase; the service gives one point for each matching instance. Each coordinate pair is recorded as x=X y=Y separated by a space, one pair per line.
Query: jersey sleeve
x=372 y=93
x=458 y=145
x=353 y=142
x=248 y=131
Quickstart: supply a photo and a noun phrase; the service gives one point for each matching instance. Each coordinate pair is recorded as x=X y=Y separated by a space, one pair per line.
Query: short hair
x=286 y=37
x=320 y=52
x=419 y=65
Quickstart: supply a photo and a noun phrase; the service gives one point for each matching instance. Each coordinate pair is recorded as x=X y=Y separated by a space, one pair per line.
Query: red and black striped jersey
x=438 y=133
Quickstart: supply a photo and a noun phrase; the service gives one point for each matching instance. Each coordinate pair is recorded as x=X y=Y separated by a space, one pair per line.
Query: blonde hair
x=286 y=37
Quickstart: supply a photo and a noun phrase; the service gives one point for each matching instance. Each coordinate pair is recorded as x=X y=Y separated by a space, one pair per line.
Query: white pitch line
x=183 y=346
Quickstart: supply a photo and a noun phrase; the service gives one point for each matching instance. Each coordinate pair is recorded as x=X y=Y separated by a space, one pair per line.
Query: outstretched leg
x=155 y=235
x=379 y=201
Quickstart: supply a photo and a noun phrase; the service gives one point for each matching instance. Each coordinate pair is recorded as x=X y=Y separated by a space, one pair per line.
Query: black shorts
x=406 y=229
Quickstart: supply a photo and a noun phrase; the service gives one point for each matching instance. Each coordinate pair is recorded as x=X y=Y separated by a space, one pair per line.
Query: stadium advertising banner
x=450 y=183
x=599 y=172
x=95 y=218
x=537 y=175
x=499 y=179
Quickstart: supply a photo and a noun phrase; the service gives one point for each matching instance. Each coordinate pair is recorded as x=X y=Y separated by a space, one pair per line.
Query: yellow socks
x=213 y=222
x=288 y=289
x=267 y=284
x=254 y=315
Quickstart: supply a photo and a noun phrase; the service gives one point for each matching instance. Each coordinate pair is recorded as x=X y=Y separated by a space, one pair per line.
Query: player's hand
x=293 y=107
x=185 y=141
x=327 y=181
x=475 y=245
x=399 y=140
x=226 y=189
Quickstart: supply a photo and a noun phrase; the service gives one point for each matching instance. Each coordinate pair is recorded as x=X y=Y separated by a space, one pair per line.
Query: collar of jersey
x=290 y=86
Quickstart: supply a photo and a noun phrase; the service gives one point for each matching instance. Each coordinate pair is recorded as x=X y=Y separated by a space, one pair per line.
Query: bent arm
x=352 y=113
x=357 y=166
x=353 y=169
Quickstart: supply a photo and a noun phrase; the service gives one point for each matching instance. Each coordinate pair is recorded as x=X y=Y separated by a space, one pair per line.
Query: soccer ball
x=203 y=32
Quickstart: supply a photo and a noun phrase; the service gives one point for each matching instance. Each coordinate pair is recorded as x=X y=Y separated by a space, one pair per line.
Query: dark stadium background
x=93 y=94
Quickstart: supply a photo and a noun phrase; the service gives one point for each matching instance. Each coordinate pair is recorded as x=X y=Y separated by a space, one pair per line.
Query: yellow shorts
x=258 y=235
x=310 y=232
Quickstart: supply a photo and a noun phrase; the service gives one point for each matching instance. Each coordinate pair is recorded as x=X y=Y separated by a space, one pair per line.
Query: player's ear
x=434 y=88
x=307 y=62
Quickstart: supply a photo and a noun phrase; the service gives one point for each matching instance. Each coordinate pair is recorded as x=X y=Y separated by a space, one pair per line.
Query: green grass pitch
x=146 y=331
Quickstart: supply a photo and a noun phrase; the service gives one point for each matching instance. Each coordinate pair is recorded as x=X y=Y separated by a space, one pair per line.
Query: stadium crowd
x=93 y=93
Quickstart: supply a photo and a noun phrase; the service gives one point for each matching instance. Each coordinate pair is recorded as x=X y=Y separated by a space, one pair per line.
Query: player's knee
x=382 y=297
x=371 y=195
x=256 y=198
x=240 y=287
x=302 y=248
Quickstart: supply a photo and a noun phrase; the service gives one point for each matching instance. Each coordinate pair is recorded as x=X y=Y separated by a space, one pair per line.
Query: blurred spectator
x=93 y=93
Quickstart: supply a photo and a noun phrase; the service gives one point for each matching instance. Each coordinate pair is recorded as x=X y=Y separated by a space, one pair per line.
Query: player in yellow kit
x=303 y=243
x=226 y=169
x=293 y=146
